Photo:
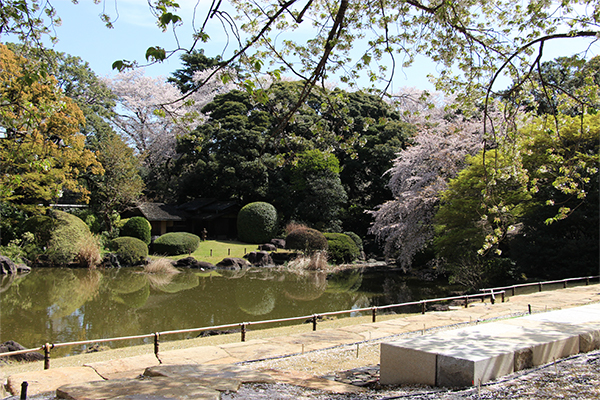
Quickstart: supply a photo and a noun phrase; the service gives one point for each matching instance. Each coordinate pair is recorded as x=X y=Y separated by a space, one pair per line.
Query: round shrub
x=175 y=243
x=129 y=250
x=67 y=236
x=307 y=240
x=342 y=248
x=357 y=240
x=257 y=222
x=137 y=227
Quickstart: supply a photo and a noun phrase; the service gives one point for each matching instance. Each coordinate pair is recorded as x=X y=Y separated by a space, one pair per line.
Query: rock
x=233 y=263
x=259 y=258
x=279 y=243
x=9 y=346
x=267 y=247
x=191 y=262
x=8 y=267
x=282 y=258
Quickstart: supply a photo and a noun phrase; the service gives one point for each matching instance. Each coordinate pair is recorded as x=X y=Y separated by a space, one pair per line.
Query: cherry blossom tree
x=419 y=175
x=151 y=114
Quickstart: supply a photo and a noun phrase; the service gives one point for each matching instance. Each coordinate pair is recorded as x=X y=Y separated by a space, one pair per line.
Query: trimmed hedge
x=137 y=227
x=175 y=243
x=342 y=248
x=257 y=223
x=357 y=240
x=307 y=240
x=129 y=250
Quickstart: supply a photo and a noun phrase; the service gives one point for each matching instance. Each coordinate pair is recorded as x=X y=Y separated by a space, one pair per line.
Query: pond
x=57 y=305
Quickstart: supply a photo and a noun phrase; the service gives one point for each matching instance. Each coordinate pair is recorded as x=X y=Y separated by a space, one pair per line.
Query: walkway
x=180 y=369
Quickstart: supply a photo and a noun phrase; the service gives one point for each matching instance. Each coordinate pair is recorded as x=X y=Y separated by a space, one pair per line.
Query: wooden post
x=529 y=308
x=422 y=307
x=47 y=348
x=314 y=322
x=540 y=286
x=466 y=301
x=374 y=313
x=228 y=252
x=513 y=290
x=565 y=284
x=503 y=297
x=243 y=325
x=156 y=346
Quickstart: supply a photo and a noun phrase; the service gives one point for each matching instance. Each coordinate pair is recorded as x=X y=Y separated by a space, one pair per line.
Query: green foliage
x=67 y=235
x=129 y=250
x=175 y=243
x=357 y=240
x=137 y=227
x=257 y=223
x=307 y=240
x=12 y=219
x=193 y=62
x=341 y=248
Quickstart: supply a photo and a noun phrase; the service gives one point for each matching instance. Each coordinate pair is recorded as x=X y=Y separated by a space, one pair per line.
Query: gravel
x=576 y=377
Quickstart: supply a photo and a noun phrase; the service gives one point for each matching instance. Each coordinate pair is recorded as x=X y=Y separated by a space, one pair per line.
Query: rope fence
x=489 y=292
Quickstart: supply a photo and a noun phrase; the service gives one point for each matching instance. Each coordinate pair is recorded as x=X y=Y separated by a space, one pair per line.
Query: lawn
x=214 y=251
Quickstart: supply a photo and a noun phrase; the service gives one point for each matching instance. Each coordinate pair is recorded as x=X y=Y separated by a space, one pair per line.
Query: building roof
x=161 y=212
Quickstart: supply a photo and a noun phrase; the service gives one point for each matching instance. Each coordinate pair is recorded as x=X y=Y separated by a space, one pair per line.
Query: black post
x=529 y=308
x=374 y=312
x=422 y=307
x=466 y=301
x=24 y=390
x=503 y=297
x=540 y=286
x=565 y=284
x=243 y=325
x=314 y=322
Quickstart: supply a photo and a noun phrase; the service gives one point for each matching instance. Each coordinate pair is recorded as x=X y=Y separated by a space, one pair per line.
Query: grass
x=219 y=249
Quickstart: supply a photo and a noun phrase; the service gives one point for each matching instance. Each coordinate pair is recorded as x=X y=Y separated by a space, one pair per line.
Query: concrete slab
x=258 y=349
x=480 y=353
x=317 y=340
x=124 y=367
x=197 y=355
x=163 y=388
x=50 y=379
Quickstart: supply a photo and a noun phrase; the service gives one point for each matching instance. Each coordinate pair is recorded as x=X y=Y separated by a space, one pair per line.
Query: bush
x=175 y=243
x=307 y=240
x=342 y=248
x=257 y=223
x=66 y=234
x=357 y=240
x=137 y=227
x=129 y=250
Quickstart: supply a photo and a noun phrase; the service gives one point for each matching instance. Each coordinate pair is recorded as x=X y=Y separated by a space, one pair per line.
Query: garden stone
x=111 y=261
x=282 y=258
x=191 y=262
x=267 y=247
x=279 y=243
x=9 y=346
x=259 y=258
x=233 y=263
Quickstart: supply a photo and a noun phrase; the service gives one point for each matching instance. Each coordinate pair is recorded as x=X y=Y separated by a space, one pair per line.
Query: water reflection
x=63 y=305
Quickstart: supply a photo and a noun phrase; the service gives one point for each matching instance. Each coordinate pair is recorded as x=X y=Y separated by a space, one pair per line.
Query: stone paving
x=205 y=372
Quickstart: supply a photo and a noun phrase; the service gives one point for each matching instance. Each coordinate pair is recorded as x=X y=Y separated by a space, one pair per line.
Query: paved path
x=206 y=360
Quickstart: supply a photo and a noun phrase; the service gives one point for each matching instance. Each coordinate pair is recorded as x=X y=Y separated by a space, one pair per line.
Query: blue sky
x=83 y=34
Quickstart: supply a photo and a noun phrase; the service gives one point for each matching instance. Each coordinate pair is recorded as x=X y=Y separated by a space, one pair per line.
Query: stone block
x=402 y=365
x=470 y=369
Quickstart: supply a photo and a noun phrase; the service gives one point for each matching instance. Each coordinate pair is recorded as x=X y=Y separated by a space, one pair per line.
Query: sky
x=83 y=34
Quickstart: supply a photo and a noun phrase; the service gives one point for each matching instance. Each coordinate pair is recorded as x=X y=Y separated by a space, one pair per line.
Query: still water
x=57 y=305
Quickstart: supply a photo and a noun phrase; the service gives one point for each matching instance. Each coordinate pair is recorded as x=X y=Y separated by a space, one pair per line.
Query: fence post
x=24 y=390
x=422 y=307
x=565 y=284
x=540 y=286
x=513 y=290
x=47 y=348
x=374 y=312
x=314 y=322
x=587 y=281
x=243 y=326
x=466 y=301
x=492 y=297
x=503 y=296
x=156 y=346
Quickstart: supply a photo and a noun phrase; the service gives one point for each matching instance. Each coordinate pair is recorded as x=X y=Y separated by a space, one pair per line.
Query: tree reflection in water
x=60 y=305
